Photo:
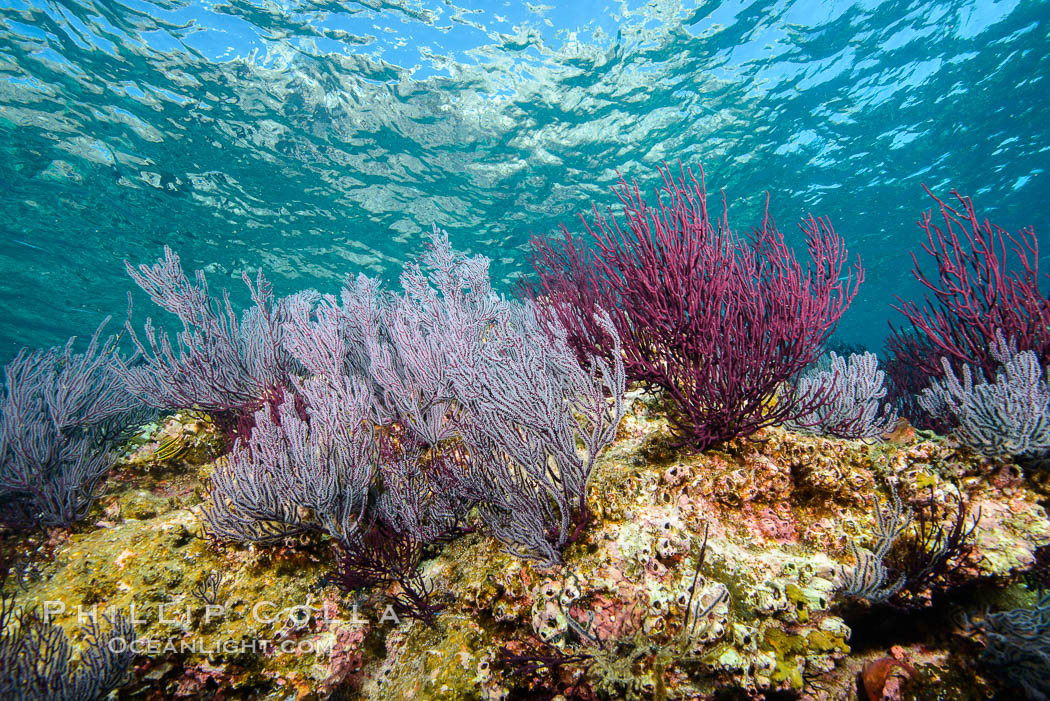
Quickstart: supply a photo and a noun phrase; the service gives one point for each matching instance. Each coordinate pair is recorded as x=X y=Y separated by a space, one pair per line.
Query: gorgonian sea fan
x=906 y=379
x=61 y=415
x=460 y=363
x=717 y=321
x=38 y=660
x=1010 y=416
x=982 y=286
x=293 y=474
x=855 y=388
x=219 y=362
x=422 y=406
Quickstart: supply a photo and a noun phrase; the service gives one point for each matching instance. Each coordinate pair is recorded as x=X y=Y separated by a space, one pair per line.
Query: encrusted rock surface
x=628 y=614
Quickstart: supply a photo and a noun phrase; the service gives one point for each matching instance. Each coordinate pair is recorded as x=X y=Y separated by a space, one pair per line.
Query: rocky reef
x=720 y=574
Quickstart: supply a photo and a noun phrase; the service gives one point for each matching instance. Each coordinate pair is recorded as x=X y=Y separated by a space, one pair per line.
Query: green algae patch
x=798 y=599
x=452 y=661
x=255 y=621
x=785 y=644
x=141 y=505
x=822 y=641
x=788 y=671
x=787 y=649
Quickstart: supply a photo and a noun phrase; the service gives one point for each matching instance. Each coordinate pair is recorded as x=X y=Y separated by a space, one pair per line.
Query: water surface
x=318 y=138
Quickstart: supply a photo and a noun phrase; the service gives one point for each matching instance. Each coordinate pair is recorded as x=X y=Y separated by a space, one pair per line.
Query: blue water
x=319 y=138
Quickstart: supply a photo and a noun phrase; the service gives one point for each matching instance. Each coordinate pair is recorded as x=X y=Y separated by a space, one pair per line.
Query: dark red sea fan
x=385 y=557
x=982 y=285
x=717 y=321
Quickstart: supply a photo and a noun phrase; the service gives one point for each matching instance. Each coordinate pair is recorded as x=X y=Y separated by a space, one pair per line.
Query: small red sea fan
x=982 y=286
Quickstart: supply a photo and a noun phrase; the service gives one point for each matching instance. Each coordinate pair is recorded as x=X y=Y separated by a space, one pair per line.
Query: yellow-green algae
x=779 y=511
